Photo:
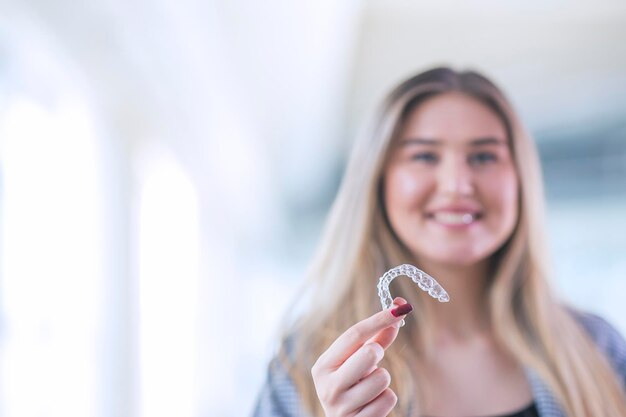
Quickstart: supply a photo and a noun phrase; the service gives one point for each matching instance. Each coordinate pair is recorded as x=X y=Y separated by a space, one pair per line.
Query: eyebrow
x=473 y=142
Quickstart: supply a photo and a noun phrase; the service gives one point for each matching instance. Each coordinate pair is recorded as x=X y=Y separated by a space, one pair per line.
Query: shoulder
x=604 y=334
x=606 y=337
x=279 y=396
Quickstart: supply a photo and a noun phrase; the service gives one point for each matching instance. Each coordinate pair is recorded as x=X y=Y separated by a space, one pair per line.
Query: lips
x=455 y=216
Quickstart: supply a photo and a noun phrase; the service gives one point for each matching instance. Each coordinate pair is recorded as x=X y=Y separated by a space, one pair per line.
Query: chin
x=461 y=262
x=457 y=259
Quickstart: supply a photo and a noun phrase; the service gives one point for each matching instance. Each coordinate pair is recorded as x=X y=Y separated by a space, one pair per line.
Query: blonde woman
x=450 y=182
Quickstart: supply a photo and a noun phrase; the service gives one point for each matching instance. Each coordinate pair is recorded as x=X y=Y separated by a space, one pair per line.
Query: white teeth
x=454 y=218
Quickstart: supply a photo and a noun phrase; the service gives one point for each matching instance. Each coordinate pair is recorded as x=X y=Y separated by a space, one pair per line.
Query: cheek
x=402 y=188
x=508 y=196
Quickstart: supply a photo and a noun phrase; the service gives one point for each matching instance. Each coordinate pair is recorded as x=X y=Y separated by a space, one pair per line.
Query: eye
x=482 y=158
x=428 y=157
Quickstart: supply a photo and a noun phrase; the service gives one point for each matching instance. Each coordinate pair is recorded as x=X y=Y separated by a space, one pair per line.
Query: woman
x=450 y=182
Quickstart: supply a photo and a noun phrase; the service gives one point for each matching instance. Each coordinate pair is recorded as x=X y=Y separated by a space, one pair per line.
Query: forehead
x=452 y=116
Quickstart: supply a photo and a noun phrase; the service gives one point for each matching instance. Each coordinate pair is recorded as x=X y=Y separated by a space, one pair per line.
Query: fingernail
x=402 y=310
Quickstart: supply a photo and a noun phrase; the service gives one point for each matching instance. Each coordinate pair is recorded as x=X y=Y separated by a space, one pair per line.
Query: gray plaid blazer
x=279 y=398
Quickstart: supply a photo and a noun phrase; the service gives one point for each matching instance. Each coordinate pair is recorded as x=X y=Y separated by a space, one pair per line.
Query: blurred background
x=166 y=167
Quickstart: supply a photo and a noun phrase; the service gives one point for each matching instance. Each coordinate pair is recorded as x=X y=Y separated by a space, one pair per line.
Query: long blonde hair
x=358 y=246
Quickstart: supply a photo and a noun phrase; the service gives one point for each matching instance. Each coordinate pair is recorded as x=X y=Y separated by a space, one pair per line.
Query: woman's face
x=450 y=186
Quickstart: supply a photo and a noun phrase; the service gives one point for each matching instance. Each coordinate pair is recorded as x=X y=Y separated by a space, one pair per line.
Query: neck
x=466 y=314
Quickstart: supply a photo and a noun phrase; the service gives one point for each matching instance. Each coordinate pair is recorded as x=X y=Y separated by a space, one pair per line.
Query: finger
x=363 y=362
x=358 y=366
x=386 y=336
x=399 y=301
x=380 y=406
x=366 y=390
x=353 y=338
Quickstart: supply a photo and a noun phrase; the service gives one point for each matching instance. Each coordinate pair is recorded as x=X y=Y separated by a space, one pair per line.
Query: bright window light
x=50 y=269
x=168 y=289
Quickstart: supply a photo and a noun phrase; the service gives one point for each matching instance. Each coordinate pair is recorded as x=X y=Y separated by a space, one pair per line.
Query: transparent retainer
x=421 y=278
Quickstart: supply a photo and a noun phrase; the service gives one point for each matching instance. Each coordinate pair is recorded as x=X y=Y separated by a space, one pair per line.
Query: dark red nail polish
x=402 y=310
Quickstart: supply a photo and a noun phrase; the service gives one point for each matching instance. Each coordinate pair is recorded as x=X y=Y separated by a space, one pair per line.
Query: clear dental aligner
x=421 y=278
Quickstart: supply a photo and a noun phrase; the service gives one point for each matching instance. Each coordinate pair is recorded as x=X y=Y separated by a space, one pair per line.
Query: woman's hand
x=346 y=376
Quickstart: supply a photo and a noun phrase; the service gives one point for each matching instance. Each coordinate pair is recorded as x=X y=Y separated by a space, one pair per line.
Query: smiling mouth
x=454 y=219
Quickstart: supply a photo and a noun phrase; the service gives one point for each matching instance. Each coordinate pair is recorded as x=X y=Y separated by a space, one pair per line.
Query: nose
x=455 y=177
